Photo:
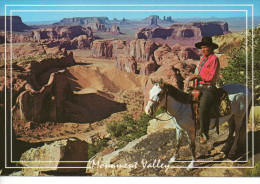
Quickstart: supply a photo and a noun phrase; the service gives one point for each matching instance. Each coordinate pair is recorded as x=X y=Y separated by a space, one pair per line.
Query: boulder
x=145 y=156
x=162 y=122
x=142 y=50
x=126 y=63
x=56 y=157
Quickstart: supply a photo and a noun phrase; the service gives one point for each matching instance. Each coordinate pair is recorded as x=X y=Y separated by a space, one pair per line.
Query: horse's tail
x=243 y=132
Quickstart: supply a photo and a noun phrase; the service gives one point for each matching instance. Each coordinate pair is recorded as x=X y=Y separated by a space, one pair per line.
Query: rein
x=154 y=117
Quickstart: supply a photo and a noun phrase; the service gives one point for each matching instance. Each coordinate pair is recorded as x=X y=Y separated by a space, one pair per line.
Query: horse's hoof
x=190 y=166
x=203 y=141
x=204 y=138
x=171 y=160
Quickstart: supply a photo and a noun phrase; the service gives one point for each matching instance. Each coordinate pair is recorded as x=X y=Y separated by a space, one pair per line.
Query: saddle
x=221 y=108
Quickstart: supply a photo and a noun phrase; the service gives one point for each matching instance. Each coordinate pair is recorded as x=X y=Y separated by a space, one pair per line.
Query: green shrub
x=236 y=71
x=129 y=129
x=96 y=147
x=256 y=170
x=253 y=172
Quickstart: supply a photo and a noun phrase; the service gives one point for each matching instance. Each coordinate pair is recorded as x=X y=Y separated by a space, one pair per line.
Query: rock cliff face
x=80 y=21
x=108 y=48
x=115 y=29
x=177 y=31
x=15 y=38
x=64 y=37
x=148 y=67
x=126 y=63
x=17 y=24
x=59 y=32
x=28 y=51
x=142 y=50
x=229 y=41
x=45 y=94
x=212 y=28
x=95 y=26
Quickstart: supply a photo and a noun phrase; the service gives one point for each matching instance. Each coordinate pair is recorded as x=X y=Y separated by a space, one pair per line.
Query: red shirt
x=209 y=71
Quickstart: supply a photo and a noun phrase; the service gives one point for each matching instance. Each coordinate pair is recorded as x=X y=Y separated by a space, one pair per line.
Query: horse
x=178 y=105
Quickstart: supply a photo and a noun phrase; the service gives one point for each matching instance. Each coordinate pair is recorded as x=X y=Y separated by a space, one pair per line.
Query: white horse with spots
x=178 y=105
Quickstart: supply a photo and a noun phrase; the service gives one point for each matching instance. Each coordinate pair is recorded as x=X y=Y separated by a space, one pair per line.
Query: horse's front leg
x=178 y=139
x=191 y=134
x=178 y=143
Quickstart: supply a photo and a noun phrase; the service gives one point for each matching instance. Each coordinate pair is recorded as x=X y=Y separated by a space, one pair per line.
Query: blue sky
x=192 y=9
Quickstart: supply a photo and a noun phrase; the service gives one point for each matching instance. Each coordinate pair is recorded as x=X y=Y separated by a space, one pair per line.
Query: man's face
x=206 y=51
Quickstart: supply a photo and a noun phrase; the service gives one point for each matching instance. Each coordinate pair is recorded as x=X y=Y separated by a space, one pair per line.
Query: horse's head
x=156 y=98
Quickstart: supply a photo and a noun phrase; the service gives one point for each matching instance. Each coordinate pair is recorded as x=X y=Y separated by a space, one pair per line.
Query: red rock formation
x=14 y=38
x=190 y=30
x=160 y=52
x=56 y=102
x=170 y=55
x=17 y=24
x=169 y=74
x=102 y=49
x=212 y=28
x=142 y=50
x=95 y=26
x=108 y=48
x=126 y=63
x=46 y=104
x=37 y=69
x=59 y=32
x=148 y=67
x=26 y=50
x=82 y=41
x=76 y=21
x=115 y=29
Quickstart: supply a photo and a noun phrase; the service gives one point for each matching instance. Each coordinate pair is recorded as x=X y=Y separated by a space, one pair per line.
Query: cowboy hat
x=206 y=41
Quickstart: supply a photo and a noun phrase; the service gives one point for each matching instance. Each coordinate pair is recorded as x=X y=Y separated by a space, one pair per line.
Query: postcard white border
x=135 y=11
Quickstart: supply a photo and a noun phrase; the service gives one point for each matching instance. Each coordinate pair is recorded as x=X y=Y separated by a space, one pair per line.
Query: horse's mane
x=178 y=94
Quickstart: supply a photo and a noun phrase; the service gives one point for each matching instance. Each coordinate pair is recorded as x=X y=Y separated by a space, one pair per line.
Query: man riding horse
x=205 y=82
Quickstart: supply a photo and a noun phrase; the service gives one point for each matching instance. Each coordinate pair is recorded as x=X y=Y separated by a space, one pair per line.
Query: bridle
x=165 y=104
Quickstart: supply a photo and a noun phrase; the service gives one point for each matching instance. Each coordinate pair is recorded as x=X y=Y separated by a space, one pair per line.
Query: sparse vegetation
x=256 y=170
x=129 y=129
x=236 y=71
x=253 y=172
x=97 y=146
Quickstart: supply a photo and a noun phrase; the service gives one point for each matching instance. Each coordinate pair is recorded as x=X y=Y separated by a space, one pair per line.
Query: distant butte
x=17 y=24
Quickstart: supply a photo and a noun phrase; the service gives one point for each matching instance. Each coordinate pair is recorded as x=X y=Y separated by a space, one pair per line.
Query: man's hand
x=193 y=77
